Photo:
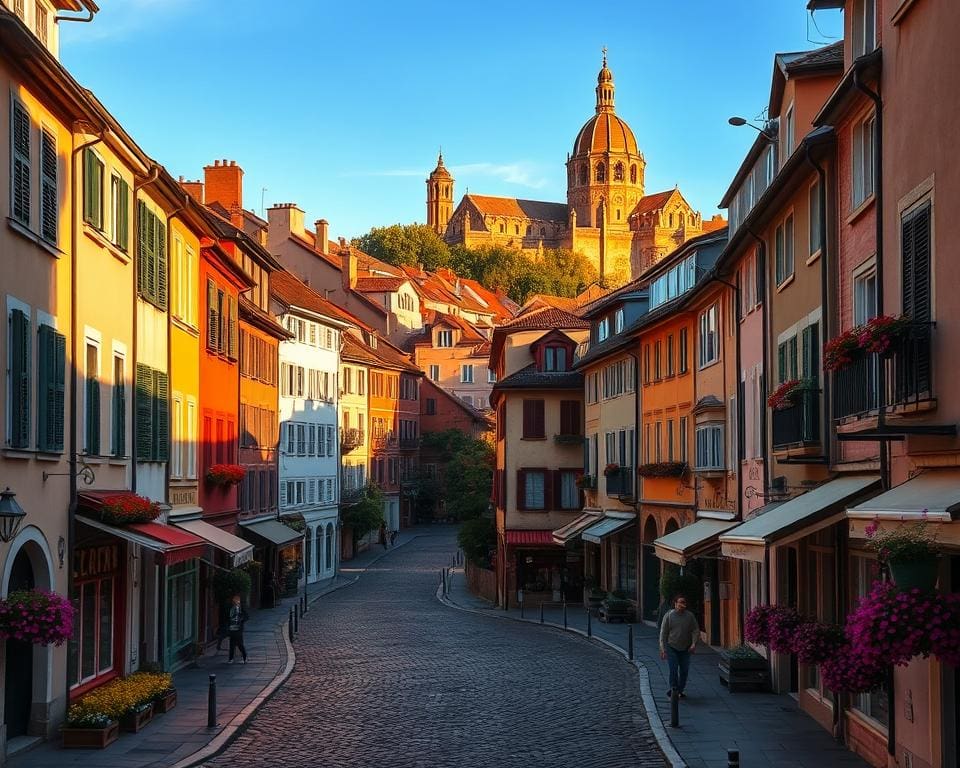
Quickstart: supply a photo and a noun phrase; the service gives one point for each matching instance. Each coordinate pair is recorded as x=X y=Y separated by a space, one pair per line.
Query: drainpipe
x=154 y=173
x=824 y=295
x=74 y=352
x=88 y=18
x=170 y=217
x=636 y=478
x=765 y=354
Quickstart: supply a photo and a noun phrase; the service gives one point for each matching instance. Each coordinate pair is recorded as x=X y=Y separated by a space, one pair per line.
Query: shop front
x=614 y=538
x=541 y=570
x=280 y=548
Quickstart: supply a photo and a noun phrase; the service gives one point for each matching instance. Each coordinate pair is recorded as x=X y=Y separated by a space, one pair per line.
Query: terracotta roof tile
x=546 y=318
x=384 y=356
x=378 y=284
x=653 y=202
x=524 y=209
x=289 y=290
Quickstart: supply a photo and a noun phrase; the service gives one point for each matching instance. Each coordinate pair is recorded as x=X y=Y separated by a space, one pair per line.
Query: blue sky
x=340 y=107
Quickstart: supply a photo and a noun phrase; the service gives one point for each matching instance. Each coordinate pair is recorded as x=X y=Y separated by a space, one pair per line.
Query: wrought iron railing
x=620 y=482
x=407 y=443
x=800 y=423
x=350 y=439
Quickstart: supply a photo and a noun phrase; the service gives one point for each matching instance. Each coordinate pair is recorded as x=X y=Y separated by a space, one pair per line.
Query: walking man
x=236 y=620
x=678 y=639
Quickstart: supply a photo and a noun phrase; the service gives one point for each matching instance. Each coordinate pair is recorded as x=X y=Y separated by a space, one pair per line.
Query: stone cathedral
x=608 y=217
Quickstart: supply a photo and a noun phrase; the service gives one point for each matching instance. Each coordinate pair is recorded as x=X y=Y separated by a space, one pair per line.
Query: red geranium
x=126 y=508
x=226 y=474
x=782 y=396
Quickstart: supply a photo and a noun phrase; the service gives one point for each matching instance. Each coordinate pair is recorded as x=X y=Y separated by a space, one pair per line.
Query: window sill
x=34 y=238
x=50 y=456
x=787 y=282
x=534 y=439
x=87 y=458
x=98 y=237
x=709 y=365
x=861 y=209
x=18 y=453
x=185 y=326
x=118 y=461
x=813 y=257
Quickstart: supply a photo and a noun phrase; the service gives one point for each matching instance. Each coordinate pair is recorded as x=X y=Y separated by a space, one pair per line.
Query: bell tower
x=439 y=197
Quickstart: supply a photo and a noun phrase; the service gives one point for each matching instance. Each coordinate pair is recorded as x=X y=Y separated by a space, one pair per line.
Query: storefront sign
x=183 y=497
x=91 y=562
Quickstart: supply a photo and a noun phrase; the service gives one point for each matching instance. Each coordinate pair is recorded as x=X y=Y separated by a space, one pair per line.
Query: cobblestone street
x=386 y=676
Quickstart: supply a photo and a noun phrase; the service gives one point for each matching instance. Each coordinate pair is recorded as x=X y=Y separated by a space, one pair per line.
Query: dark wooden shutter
x=144 y=412
x=93 y=415
x=161 y=420
x=539 y=427
x=160 y=258
x=916 y=265
x=213 y=322
x=20 y=343
x=142 y=248
x=20 y=204
x=528 y=418
x=119 y=419
x=556 y=486
x=49 y=197
x=521 y=489
x=123 y=217
x=231 y=328
x=50 y=399
x=782 y=362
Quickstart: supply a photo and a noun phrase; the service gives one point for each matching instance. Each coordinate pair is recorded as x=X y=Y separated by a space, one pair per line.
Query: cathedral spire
x=605 y=87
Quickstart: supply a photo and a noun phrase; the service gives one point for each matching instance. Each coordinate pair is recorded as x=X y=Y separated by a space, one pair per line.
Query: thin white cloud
x=523 y=174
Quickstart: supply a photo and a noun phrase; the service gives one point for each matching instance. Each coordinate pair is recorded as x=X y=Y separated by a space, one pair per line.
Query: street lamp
x=11 y=515
x=737 y=122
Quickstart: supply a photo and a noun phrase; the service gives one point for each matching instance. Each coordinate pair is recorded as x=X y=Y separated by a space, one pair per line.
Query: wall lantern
x=11 y=515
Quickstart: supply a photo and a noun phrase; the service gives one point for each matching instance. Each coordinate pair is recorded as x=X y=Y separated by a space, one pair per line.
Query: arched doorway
x=651 y=571
x=329 y=547
x=319 y=548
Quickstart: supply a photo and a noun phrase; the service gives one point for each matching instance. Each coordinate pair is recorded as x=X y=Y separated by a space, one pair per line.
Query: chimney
x=348 y=265
x=283 y=220
x=321 y=233
x=223 y=183
x=193 y=188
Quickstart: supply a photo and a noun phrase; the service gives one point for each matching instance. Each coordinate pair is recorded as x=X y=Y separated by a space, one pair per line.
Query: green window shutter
x=93 y=416
x=20 y=390
x=150 y=256
x=161 y=419
x=782 y=362
x=811 y=362
x=792 y=357
x=141 y=257
x=20 y=203
x=123 y=222
x=213 y=322
x=119 y=442
x=51 y=363
x=143 y=399
x=59 y=387
x=161 y=257
x=805 y=352
x=231 y=328
x=49 y=194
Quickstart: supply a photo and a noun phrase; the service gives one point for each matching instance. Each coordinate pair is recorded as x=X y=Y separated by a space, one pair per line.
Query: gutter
x=824 y=296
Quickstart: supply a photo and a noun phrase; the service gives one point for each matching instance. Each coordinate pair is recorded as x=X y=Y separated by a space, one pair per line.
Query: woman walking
x=235 y=621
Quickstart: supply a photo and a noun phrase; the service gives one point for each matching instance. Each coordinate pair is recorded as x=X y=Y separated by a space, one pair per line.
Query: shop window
x=91 y=649
x=181 y=607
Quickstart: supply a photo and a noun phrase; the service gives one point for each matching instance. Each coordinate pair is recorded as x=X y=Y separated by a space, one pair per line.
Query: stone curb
x=646 y=693
x=223 y=739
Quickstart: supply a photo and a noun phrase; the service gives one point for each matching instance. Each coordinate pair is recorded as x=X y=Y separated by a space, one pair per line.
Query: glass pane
x=73 y=648
x=88 y=632
x=105 y=656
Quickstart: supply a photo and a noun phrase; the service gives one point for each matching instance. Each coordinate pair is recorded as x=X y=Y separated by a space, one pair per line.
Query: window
x=361 y=382
x=683 y=438
x=618 y=321
x=49 y=195
x=915 y=245
x=20 y=171
x=863 y=163
x=787 y=360
x=555 y=359
x=603 y=329
x=431 y=407
x=709 y=339
x=152 y=263
x=864 y=571
x=222 y=324
x=658 y=442
x=531 y=489
x=601 y=172
x=91 y=649
x=789 y=134
x=92 y=189
x=815 y=227
x=533 y=420
x=865 y=296
x=91 y=406
x=190 y=461
x=633 y=174
x=569 y=495
x=646 y=363
x=491 y=377
x=670 y=440
x=466 y=374
x=710 y=447
x=569 y=417
x=41 y=18
x=176 y=460
x=864 y=26
x=670 y=361
x=120 y=214
x=657 y=360
x=676 y=281
x=444 y=338
x=153 y=417
x=618 y=171
x=784 y=250
x=682 y=354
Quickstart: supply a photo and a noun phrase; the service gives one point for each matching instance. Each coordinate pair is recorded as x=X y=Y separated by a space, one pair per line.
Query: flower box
x=611 y=469
x=743 y=669
x=663 y=469
x=226 y=475
x=915 y=574
x=783 y=396
x=90 y=738
x=125 y=508
x=587 y=482
x=134 y=720
x=879 y=335
x=166 y=702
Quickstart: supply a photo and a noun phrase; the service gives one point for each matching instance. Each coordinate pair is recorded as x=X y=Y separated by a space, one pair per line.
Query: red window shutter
x=555 y=487
x=521 y=489
x=528 y=418
x=539 y=425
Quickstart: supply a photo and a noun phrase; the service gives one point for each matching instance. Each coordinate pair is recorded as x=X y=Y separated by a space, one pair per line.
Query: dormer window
x=603 y=329
x=444 y=338
x=618 y=321
x=555 y=358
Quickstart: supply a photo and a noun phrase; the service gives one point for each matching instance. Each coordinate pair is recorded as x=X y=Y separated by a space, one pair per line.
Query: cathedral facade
x=607 y=216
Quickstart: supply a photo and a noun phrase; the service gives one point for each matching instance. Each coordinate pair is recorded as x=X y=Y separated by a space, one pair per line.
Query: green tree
x=367 y=514
x=467 y=471
x=406 y=245
x=477 y=538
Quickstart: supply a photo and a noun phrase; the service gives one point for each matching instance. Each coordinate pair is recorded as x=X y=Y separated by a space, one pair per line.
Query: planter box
x=164 y=705
x=90 y=738
x=744 y=673
x=915 y=574
x=616 y=612
x=593 y=602
x=132 y=722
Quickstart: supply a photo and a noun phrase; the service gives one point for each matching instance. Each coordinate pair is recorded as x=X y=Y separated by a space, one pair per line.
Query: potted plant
x=587 y=482
x=165 y=695
x=36 y=616
x=611 y=469
x=88 y=730
x=137 y=716
x=909 y=551
x=879 y=335
x=226 y=475
x=773 y=626
x=125 y=508
x=662 y=469
x=616 y=607
x=784 y=396
x=742 y=667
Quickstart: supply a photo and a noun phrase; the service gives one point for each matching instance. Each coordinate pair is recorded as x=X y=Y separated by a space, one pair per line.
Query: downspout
x=636 y=477
x=75 y=226
x=765 y=354
x=154 y=173
x=85 y=19
x=824 y=295
x=881 y=373
x=170 y=217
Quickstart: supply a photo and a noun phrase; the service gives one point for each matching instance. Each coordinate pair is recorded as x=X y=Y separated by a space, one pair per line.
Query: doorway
x=651 y=572
x=18 y=668
x=789 y=597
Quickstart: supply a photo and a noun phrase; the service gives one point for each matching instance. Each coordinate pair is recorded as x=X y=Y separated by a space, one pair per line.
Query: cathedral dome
x=605 y=132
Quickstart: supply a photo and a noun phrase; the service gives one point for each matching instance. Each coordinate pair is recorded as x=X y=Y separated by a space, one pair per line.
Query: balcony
x=409 y=443
x=388 y=440
x=799 y=424
x=350 y=439
x=620 y=483
x=907 y=372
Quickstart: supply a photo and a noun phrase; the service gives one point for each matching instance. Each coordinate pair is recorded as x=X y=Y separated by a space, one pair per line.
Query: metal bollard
x=290 y=625
x=733 y=758
x=212 y=702
x=675 y=713
x=296 y=624
x=541 y=613
x=630 y=642
x=564 y=614
x=589 y=623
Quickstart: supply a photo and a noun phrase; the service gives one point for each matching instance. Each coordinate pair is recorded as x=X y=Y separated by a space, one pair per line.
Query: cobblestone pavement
x=387 y=677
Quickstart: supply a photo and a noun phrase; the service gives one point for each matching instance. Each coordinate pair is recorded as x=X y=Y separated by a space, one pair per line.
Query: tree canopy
x=467 y=471
x=367 y=514
x=556 y=271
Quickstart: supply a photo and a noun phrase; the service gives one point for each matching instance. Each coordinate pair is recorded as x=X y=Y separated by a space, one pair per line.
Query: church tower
x=439 y=197
x=605 y=170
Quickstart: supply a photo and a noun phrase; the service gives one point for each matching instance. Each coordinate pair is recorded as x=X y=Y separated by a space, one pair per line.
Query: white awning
x=274 y=532
x=933 y=495
x=238 y=550
x=749 y=540
x=608 y=526
x=692 y=540
x=573 y=529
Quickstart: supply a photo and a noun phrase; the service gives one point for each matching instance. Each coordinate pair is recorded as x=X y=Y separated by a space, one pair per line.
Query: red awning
x=179 y=545
x=530 y=538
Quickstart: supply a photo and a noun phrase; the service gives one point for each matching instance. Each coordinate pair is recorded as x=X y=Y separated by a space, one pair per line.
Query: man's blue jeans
x=679 y=663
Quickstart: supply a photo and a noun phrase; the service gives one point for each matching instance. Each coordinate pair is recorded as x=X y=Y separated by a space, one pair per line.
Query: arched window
x=671 y=219
x=503 y=228
x=319 y=548
x=328 y=546
x=633 y=174
x=516 y=229
x=529 y=230
x=618 y=172
x=601 y=174
x=543 y=231
x=583 y=174
x=308 y=554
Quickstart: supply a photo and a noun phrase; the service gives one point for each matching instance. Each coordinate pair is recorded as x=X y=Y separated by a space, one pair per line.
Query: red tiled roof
x=714 y=223
x=530 y=538
x=523 y=209
x=251 y=313
x=378 y=284
x=384 y=356
x=287 y=289
x=499 y=303
x=653 y=202
x=548 y=317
